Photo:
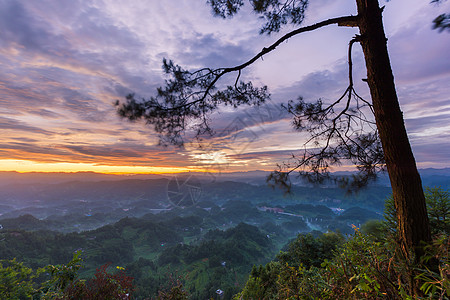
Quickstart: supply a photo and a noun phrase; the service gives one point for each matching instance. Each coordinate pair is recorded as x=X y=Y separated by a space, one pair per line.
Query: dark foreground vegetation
x=162 y=257
x=368 y=265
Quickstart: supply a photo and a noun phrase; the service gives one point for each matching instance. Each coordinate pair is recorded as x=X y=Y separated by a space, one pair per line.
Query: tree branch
x=344 y=137
x=340 y=20
x=189 y=96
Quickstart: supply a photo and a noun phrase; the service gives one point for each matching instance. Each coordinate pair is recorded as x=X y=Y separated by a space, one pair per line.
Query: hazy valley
x=211 y=232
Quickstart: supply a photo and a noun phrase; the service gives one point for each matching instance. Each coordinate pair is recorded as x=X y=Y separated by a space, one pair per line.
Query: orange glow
x=30 y=166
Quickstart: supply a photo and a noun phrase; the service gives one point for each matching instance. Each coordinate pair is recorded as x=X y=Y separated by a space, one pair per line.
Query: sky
x=64 y=64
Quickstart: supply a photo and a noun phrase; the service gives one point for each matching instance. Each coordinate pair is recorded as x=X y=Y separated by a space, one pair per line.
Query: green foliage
x=438 y=207
x=174 y=289
x=116 y=243
x=363 y=267
x=262 y=283
x=390 y=215
x=436 y=284
x=295 y=273
x=20 y=282
x=369 y=265
x=308 y=251
x=16 y=280
x=61 y=276
x=220 y=261
x=281 y=281
x=376 y=229
x=37 y=249
x=183 y=239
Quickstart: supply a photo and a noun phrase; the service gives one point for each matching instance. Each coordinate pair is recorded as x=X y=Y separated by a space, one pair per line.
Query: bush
x=15 y=280
x=103 y=285
x=20 y=282
x=361 y=268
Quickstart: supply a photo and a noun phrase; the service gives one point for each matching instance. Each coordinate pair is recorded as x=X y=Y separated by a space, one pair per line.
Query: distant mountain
x=134 y=196
x=11 y=177
x=50 y=193
x=88 y=193
x=430 y=177
x=257 y=177
x=435 y=172
x=25 y=222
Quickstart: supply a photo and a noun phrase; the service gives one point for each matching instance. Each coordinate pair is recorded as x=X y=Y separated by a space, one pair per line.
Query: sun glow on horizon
x=26 y=166
x=23 y=166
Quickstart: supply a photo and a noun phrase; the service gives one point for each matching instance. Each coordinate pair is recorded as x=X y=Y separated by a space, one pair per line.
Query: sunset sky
x=64 y=63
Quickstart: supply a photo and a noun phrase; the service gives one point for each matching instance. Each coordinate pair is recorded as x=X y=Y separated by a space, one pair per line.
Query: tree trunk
x=409 y=199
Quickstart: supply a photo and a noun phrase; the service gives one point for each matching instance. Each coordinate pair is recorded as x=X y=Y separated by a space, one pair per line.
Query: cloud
x=103 y=151
x=65 y=62
x=209 y=50
x=12 y=124
x=418 y=52
x=119 y=154
x=232 y=121
x=31 y=148
x=24 y=139
x=268 y=155
x=436 y=153
x=21 y=28
x=45 y=113
x=429 y=123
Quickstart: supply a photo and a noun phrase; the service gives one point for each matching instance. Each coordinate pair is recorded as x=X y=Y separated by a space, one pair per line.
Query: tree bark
x=409 y=199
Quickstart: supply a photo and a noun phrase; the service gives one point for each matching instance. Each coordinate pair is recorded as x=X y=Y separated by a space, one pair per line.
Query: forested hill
x=211 y=244
x=150 y=251
x=99 y=203
x=46 y=194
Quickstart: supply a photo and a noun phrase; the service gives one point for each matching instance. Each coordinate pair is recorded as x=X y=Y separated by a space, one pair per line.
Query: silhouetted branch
x=339 y=20
x=339 y=134
x=442 y=22
x=189 y=97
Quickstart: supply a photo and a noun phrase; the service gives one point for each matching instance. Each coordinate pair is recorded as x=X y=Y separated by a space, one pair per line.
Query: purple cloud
x=65 y=62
